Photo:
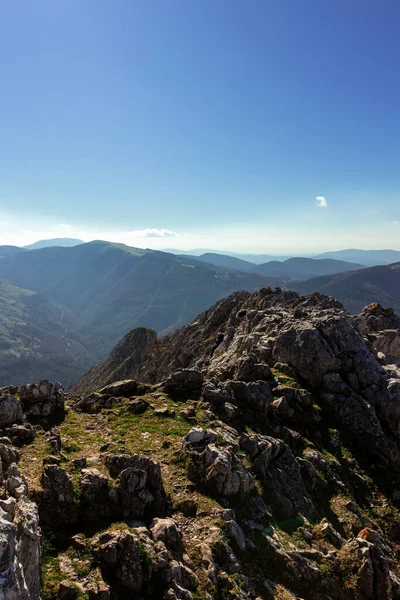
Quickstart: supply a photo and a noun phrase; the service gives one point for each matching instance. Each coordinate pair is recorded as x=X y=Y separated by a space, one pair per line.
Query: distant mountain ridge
x=292 y=268
x=305 y=268
x=368 y=258
x=64 y=242
x=359 y=288
x=110 y=289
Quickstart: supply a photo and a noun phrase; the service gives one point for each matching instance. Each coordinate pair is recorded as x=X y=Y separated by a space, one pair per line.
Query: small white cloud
x=321 y=202
x=154 y=233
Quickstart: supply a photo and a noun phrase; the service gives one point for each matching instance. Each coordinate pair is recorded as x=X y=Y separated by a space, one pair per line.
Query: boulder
x=42 y=401
x=58 y=500
x=184 y=381
x=139 y=483
x=10 y=410
x=20 y=550
x=118 y=389
x=218 y=469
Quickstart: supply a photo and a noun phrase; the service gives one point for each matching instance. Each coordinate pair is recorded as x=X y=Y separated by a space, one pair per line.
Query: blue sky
x=211 y=123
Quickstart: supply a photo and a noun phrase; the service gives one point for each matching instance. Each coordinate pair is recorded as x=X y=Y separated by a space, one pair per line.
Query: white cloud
x=321 y=202
x=154 y=233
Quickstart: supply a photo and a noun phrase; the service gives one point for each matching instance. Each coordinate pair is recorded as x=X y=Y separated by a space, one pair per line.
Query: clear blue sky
x=218 y=120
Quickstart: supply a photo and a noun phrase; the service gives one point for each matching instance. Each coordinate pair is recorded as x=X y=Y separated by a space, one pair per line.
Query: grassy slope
x=34 y=339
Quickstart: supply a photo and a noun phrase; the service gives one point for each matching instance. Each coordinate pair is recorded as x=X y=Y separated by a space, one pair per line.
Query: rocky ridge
x=254 y=455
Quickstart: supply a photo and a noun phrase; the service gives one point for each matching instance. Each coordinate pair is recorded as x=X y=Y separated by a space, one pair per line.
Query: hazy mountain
x=292 y=268
x=112 y=288
x=368 y=258
x=360 y=288
x=64 y=242
x=256 y=259
x=226 y=262
x=7 y=250
x=305 y=268
x=36 y=340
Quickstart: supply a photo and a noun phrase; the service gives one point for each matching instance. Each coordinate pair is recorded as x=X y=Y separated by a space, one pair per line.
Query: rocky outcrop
x=255 y=454
x=10 y=410
x=217 y=468
x=20 y=537
x=123 y=362
x=42 y=401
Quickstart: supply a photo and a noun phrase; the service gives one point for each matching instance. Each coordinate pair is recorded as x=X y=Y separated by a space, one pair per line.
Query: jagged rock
x=138 y=407
x=277 y=467
x=10 y=410
x=93 y=486
x=123 y=363
x=181 y=577
x=94 y=403
x=255 y=395
x=375 y=318
x=43 y=400
x=374 y=573
x=120 y=550
x=20 y=542
x=250 y=369
x=282 y=409
x=339 y=397
x=166 y=531
x=54 y=438
x=134 y=557
x=235 y=533
x=58 y=503
x=139 y=483
x=20 y=435
x=231 y=410
x=198 y=437
x=215 y=393
x=184 y=381
x=218 y=469
x=125 y=388
x=330 y=533
x=164 y=412
x=8 y=455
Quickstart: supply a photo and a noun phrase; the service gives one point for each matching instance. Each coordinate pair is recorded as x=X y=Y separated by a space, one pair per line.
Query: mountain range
x=367 y=258
x=291 y=268
x=65 y=307
x=105 y=290
x=359 y=288
x=64 y=242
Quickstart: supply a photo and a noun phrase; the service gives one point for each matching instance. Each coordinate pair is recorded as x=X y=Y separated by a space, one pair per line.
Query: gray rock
x=43 y=400
x=10 y=410
x=125 y=388
x=184 y=381
x=20 y=542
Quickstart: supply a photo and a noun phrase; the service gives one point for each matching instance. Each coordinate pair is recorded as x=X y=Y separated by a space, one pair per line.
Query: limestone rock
x=10 y=410
x=20 y=542
x=184 y=381
x=43 y=400
x=125 y=388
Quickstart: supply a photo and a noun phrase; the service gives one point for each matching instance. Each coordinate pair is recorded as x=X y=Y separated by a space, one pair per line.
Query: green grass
x=51 y=575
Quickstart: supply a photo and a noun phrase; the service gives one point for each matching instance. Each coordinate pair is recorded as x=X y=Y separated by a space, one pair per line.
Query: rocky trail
x=252 y=454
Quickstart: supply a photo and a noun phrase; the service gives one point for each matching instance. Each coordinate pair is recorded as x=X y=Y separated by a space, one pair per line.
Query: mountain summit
x=256 y=455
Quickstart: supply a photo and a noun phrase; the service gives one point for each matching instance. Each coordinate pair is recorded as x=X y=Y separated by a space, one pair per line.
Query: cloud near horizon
x=321 y=202
x=154 y=233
